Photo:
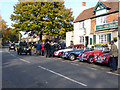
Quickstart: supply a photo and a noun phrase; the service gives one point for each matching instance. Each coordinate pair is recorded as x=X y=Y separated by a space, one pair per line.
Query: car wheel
x=72 y=57
x=90 y=59
x=61 y=55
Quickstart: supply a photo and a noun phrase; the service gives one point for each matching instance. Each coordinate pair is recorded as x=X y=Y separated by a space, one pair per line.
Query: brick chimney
x=83 y=3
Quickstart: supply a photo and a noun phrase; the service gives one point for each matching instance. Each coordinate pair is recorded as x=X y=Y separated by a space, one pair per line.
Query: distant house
x=36 y=38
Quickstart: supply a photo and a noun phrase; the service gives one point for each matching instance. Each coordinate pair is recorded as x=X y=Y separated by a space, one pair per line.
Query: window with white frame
x=103 y=38
x=82 y=25
x=81 y=39
x=101 y=20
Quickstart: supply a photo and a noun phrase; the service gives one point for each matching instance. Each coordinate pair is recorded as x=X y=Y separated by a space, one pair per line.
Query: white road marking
x=24 y=60
x=20 y=58
x=113 y=73
x=93 y=68
x=62 y=76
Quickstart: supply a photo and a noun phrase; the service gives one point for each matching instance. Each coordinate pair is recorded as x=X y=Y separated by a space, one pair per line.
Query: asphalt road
x=39 y=72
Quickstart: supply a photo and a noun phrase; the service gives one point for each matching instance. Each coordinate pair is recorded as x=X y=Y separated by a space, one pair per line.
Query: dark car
x=24 y=50
x=12 y=47
x=72 y=55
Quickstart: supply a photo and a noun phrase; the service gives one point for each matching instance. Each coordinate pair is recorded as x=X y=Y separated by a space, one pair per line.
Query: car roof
x=78 y=45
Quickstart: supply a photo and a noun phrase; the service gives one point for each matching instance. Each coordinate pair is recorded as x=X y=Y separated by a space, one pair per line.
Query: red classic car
x=104 y=59
x=75 y=47
x=92 y=56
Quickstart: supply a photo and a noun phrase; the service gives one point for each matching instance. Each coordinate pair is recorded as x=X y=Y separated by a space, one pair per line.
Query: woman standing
x=43 y=49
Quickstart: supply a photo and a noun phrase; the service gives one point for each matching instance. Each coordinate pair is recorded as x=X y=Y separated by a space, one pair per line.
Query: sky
x=6 y=7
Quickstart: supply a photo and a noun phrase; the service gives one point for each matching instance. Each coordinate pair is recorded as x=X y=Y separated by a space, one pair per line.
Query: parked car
x=72 y=55
x=12 y=47
x=60 y=52
x=104 y=58
x=91 y=56
x=23 y=50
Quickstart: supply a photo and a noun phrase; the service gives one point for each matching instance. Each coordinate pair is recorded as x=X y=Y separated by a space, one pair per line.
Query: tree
x=7 y=34
x=42 y=18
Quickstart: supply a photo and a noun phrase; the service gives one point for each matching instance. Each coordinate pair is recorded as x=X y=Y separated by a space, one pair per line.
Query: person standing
x=47 y=48
x=52 y=48
x=34 y=45
x=63 y=45
x=113 y=56
x=43 y=49
x=38 y=48
x=71 y=44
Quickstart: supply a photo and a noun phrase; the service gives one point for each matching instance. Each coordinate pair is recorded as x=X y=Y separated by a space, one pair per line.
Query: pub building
x=104 y=23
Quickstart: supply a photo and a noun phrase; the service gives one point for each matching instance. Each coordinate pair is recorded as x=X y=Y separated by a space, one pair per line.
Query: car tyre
x=72 y=57
x=61 y=55
x=90 y=59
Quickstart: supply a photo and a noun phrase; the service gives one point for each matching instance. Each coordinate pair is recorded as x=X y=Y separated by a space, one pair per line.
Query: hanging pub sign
x=107 y=26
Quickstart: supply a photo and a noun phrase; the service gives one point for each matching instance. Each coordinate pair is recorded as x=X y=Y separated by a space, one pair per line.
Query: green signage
x=107 y=26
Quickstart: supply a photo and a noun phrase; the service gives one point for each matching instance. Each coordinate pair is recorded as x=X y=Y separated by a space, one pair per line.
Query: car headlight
x=99 y=57
x=95 y=56
x=80 y=54
x=66 y=53
x=84 y=55
x=104 y=58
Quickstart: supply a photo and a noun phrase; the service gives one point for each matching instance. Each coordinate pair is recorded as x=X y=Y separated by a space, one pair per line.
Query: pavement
x=24 y=71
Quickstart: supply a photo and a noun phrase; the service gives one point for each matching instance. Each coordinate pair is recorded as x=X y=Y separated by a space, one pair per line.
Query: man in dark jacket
x=38 y=48
x=63 y=45
x=113 y=56
x=47 y=48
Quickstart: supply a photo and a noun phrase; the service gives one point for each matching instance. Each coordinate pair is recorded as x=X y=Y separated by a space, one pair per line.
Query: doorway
x=86 y=41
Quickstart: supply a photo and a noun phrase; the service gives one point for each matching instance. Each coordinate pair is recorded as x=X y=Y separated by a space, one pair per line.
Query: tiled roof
x=88 y=13
x=112 y=5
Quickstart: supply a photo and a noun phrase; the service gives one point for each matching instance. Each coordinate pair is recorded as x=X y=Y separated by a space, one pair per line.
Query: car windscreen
x=99 y=48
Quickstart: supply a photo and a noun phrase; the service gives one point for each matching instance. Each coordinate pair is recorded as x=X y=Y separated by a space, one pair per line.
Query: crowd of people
x=47 y=48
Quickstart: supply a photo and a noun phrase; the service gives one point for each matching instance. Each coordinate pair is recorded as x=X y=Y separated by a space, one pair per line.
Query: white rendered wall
x=79 y=31
x=69 y=38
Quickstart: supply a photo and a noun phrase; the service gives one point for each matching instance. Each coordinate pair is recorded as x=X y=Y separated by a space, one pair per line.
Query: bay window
x=81 y=39
x=101 y=20
x=103 y=38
